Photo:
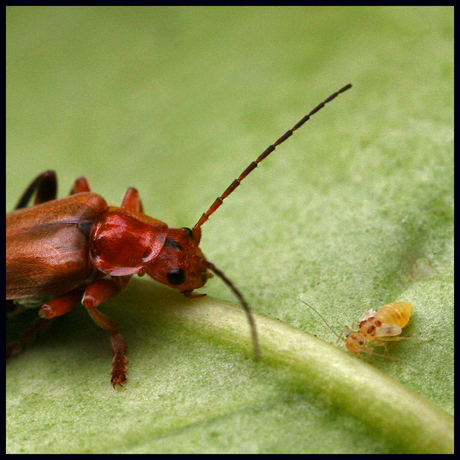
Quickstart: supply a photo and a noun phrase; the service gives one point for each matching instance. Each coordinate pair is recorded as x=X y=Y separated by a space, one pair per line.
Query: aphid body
x=375 y=328
x=379 y=327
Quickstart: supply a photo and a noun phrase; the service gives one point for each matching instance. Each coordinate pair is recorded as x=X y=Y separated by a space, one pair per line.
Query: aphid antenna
x=219 y=200
x=239 y=295
x=325 y=322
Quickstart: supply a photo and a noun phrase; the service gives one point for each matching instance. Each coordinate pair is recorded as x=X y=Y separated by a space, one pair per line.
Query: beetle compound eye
x=189 y=231
x=176 y=276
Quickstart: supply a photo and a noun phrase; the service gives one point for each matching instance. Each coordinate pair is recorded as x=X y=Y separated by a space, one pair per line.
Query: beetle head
x=180 y=263
x=126 y=243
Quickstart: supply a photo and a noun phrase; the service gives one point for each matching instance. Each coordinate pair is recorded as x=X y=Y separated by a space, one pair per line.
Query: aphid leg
x=95 y=294
x=370 y=351
x=132 y=201
x=61 y=305
x=27 y=337
x=394 y=339
x=45 y=185
x=80 y=185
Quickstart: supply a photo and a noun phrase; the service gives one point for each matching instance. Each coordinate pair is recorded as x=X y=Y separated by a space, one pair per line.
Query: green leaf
x=353 y=212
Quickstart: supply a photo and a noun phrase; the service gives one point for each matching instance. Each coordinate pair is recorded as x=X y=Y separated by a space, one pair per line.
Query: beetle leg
x=132 y=201
x=95 y=294
x=48 y=311
x=45 y=185
x=61 y=305
x=27 y=337
x=80 y=185
x=12 y=308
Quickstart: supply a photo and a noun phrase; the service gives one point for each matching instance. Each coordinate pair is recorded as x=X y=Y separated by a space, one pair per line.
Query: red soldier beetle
x=61 y=252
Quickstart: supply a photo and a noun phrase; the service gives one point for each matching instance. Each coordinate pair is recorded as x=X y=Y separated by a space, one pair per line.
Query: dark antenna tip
x=252 y=323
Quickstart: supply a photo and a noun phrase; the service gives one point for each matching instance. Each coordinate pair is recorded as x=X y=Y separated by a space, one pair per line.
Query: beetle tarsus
x=120 y=361
x=119 y=370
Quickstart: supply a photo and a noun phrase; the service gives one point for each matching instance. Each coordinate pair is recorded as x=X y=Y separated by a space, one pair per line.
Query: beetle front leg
x=118 y=345
x=95 y=294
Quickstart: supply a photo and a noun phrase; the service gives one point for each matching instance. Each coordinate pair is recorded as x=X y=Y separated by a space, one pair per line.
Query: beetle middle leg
x=80 y=185
x=61 y=305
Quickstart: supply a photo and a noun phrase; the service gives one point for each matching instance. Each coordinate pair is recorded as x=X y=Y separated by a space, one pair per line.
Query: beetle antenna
x=252 y=323
x=321 y=316
x=218 y=201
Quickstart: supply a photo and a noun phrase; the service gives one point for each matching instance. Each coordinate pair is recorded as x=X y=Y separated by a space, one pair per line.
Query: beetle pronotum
x=60 y=252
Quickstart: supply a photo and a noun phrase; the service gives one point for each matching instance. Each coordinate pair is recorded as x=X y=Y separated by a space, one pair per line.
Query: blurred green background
x=354 y=211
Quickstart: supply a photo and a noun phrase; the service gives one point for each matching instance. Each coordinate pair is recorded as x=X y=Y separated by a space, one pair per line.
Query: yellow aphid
x=379 y=327
x=375 y=328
